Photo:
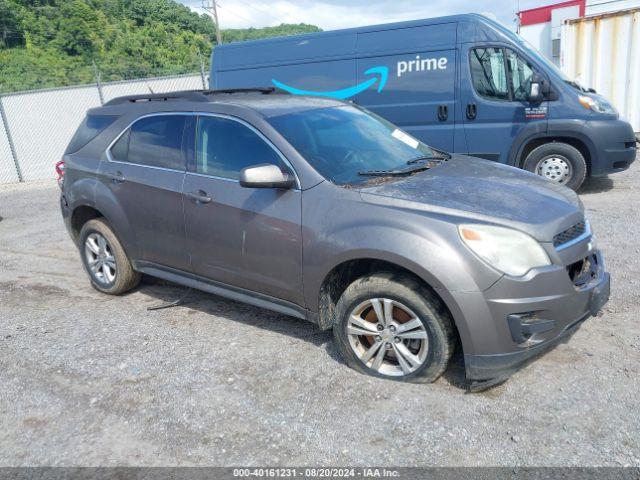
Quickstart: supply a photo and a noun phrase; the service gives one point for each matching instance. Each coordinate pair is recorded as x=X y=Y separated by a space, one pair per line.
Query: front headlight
x=507 y=250
x=597 y=105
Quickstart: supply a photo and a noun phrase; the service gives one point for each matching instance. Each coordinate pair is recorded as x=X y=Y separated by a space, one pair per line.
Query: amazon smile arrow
x=378 y=74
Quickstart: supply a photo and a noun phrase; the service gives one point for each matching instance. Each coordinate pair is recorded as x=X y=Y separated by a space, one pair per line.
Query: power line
x=227 y=9
x=260 y=9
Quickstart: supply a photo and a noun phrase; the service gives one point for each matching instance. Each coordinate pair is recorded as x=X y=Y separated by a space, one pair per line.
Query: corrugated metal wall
x=598 y=7
x=603 y=52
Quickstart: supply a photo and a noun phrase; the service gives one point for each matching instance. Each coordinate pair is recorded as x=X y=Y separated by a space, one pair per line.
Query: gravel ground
x=87 y=379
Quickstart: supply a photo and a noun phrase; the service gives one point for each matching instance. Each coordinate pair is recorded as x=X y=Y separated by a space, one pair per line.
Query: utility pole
x=212 y=7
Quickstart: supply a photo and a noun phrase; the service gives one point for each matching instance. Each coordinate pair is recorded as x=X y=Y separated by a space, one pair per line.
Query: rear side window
x=121 y=148
x=89 y=129
x=154 y=142
x=225 y=147
x=488 y=73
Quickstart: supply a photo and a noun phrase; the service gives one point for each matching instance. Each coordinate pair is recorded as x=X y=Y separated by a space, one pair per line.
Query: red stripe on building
x=543 y=14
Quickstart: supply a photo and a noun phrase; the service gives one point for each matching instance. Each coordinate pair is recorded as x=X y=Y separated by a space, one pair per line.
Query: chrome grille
x=569 y=234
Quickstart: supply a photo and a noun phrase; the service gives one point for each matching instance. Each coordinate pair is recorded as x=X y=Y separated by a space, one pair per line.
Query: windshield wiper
x=579 y=87
x=395 y=173
x=431 y=158
x=439 y=155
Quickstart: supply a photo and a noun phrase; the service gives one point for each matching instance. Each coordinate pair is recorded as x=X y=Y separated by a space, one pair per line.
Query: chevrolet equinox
x=321 y=210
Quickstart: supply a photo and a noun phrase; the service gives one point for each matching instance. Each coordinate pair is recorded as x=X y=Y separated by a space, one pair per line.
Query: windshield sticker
x=532 y=113
x=405 y=138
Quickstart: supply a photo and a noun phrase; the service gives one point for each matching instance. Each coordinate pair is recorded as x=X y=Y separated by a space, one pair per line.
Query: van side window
x=225 y=147
x=488 y=73
x=153 y=141
x=521 y=73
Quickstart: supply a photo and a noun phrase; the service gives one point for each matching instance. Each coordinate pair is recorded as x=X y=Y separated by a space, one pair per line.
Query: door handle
x=472 y=111
x=199 y=197
x=115 y=177
x=443 y=113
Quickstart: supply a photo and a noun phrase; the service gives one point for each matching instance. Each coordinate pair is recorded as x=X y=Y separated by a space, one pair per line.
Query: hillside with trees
x=51 y=43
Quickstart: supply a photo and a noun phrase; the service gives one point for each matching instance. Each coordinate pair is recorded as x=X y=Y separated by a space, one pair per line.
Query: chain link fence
x=36 y=126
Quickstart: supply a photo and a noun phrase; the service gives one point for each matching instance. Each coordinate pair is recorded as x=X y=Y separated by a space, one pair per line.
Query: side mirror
x=539 y=88
x=266 y=176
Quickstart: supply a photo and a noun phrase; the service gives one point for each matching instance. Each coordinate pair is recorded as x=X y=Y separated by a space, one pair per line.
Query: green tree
x=11 y=33
x=79 y=29
x=49 y=43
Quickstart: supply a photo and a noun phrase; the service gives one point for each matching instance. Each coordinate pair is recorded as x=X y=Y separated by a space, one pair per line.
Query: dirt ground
x=87 y=379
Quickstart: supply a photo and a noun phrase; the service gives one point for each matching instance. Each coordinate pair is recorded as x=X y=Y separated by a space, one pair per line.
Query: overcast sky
x=333 y=14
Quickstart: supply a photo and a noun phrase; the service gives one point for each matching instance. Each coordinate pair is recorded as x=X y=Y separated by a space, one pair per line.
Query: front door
x=243 y=237
x=144 y=170
x=495 y=83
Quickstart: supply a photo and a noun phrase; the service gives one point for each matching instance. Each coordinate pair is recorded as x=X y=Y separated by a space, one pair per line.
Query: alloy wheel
x=100 y=258
x=388 y=337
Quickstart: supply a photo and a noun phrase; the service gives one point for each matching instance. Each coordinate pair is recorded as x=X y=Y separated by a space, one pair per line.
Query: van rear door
x=494 y=91
x=419 y=93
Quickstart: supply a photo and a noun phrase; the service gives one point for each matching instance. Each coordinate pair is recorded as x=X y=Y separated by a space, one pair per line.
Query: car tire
x=559 y=162
x=105 y=260
x=408 y=300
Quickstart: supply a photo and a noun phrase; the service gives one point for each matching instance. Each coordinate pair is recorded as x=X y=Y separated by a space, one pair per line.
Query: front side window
x=343 y=142
x=225 y=147
x=153 y=141
x=521 y=74
x=488 y=73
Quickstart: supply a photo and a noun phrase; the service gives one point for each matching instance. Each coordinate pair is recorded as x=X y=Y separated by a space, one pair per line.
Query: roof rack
x=264 y=90
x=188 y=95
x=192 y=96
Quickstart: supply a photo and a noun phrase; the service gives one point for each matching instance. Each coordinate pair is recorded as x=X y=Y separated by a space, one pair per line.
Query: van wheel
x=559 y=162
x=105 y=260
x=391 y=326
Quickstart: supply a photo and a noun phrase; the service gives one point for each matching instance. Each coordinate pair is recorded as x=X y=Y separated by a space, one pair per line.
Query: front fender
x=573 y=129
x=429 y=277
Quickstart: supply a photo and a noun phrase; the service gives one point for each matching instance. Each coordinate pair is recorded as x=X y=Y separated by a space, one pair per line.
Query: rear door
x=244 y=237
x=419 y=92
x=144 y=171
x=494 y=85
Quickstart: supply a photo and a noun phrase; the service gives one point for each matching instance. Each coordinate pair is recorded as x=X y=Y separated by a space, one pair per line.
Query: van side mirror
x=538 y=89
x=266 y=176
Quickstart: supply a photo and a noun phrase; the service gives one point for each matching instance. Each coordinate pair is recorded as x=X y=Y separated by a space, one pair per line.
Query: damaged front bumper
x=517 y=319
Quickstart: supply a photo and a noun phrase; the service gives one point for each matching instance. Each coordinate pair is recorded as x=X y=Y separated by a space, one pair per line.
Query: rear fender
x=91 y=192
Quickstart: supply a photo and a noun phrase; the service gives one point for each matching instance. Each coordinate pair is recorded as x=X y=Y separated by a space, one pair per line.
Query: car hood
x=473 y=189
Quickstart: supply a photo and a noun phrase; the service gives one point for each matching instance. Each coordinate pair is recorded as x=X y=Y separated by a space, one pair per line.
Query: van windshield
x=347 y=144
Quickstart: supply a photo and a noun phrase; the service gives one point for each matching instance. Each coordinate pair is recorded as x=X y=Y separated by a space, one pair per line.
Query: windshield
x=342 y=143
x=552 y=66
x=531 y=50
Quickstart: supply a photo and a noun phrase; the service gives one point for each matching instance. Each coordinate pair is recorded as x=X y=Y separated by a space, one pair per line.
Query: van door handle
x=115 y=177
x=472 y=111
x=199 y=197
x=443 y=113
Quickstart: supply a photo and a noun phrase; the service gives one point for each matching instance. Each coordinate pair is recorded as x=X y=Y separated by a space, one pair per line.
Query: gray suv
x=321 y=210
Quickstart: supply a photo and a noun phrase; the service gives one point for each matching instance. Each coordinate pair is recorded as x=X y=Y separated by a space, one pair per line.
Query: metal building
x=603 y=52
x=596 y=42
